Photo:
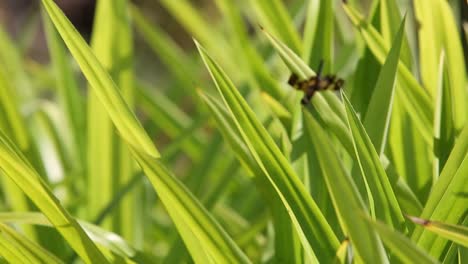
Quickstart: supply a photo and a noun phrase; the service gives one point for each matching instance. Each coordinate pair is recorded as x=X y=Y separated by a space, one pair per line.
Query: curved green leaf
x=303 y=211
x=103 y=86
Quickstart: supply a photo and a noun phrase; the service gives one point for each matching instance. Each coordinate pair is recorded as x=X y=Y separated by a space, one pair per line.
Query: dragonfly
x=315 y=83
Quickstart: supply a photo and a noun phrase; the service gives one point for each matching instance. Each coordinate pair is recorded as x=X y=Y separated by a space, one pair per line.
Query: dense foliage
x=216 y=155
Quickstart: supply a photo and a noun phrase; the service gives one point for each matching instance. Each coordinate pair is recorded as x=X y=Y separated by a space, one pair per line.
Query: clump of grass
x=375 y=172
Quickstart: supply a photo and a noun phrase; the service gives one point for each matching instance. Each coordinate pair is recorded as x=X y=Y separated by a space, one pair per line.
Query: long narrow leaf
x=345 y=196
x=304 y=213
x=103 y=86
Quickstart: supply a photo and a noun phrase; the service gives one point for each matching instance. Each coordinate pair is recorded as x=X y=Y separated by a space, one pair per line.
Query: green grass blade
x=318 y=35
x=456 y=68
x=173 y=57
x=386 y=204
x=444 y=120
x=429 y=42
x=456 y=233
x=206 y=241
x=112 y=44
x=40 y=254
x=417 y=100
x=304 y=213
x=390 y=18
x=406 y=250
x=367 y=71
x=106 y=90
x=345 y=196
x=17 y=168
x=69 y=95
x=378 y=113
x=446 y=202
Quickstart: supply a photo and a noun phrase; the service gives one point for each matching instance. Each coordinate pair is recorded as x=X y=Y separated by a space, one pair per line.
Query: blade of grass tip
x=18 y=169
x=447 y=200
x=415 y=98
x=368 y=69
x=444 y=127
x=342 y=252
x=377 y=118
x=41 y=255
x=306 y=216
x=345 y=196
x=406 y=250
x=103 y=86
x=319 y=46
x=455 y=233
x=205 y=239
x=389 y=20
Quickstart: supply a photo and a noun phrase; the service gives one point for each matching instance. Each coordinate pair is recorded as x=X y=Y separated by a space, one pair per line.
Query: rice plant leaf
x=417 y=100
x=447 y=201
x=18 y=169
x=406 y=250
x=205 y=239
x=456 y=233
x=378 y=113
x=273 y=15
x=40 y=254
x=345 y=196
x=103 y=86
x=304 y=213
